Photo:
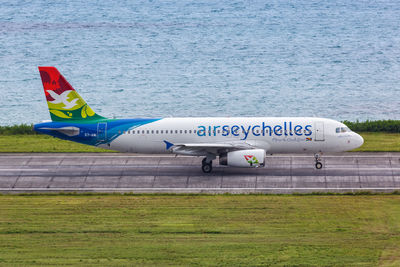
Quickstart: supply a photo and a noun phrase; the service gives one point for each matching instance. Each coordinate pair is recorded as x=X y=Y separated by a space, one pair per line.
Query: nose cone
x=357 y=141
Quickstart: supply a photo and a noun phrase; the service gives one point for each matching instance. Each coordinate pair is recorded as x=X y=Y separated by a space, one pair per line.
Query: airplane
x=236 y=141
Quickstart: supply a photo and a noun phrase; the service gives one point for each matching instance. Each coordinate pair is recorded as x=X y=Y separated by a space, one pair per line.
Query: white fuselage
x=274 y=135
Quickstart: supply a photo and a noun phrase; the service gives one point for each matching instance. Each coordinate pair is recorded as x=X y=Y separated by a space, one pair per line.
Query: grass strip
x=374 y=142
x=42 y=143
x=380 y=142
x=179 y=230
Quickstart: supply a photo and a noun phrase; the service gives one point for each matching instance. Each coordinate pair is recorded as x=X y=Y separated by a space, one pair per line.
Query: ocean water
x=336 y=59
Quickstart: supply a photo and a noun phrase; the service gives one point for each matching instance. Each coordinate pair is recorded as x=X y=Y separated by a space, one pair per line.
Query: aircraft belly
x=137 y=144
x=296 y=146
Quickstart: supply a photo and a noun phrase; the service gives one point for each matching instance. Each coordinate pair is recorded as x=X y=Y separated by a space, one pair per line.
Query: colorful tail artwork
x=65 y=104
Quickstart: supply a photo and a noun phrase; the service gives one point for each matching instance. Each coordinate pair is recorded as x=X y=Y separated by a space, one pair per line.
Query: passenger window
x=194 y=131
x=156 y=131
x=161 y=131
x=337 y=130
x=190 y=131
x=176 y=131
x=185 y=131
x=133 y=132
x=148 y=131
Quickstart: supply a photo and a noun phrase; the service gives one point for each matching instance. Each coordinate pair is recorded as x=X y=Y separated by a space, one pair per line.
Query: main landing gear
x=206 y=164
x=318 y=163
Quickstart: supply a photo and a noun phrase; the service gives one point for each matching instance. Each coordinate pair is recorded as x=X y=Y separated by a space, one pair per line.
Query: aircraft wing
x=202 y=149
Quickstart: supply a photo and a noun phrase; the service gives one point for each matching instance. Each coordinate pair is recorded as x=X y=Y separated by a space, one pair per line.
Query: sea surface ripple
x=336 y=59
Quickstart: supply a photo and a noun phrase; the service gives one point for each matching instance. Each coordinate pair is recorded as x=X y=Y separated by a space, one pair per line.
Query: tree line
x=388 y=126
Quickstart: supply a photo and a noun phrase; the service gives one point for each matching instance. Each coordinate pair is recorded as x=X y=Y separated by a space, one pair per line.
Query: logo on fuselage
x=263 y=129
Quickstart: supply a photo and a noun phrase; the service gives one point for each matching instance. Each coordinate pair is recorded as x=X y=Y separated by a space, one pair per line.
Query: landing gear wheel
x=318 y=165
x=206 y=167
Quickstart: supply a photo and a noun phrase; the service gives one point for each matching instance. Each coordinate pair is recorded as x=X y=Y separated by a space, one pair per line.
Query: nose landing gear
x=318 y=163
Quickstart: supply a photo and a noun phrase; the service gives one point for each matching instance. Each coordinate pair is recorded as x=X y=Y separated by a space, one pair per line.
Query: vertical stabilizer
x=65 y=104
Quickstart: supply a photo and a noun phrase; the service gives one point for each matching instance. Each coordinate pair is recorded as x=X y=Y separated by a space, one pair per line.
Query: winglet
x=168 y=144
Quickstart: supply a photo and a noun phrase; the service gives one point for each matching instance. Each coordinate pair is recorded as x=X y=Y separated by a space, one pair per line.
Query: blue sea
x=335 y=59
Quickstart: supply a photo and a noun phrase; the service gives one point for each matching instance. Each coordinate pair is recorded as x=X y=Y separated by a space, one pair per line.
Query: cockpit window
x=342 y=130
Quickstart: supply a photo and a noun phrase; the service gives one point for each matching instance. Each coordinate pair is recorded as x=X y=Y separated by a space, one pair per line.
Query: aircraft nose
x=358 y=140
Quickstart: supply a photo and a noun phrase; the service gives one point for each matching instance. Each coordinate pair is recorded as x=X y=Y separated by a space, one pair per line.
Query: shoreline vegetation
x=387 y=126
x=379 y=136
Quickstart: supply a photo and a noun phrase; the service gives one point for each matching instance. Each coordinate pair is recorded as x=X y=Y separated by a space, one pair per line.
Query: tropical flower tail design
x=65 y=104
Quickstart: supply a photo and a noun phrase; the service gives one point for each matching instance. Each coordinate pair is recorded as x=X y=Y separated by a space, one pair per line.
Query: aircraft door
x=101 y=131
x=319 y=131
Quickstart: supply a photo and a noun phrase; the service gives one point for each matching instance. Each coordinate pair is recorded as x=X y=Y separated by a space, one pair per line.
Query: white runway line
x=24 y=170
x=198 y=189
x=76 y=155
x=125 y=167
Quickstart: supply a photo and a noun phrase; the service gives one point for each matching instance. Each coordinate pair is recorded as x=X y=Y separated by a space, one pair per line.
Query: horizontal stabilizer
x=69 y=131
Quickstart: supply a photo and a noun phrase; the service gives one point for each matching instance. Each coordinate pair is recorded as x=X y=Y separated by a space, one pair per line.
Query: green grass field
x=388 y=142
x=42 y=143
x=224 y=230
x=376 y=142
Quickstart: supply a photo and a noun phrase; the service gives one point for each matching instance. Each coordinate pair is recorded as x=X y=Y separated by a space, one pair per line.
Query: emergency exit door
x=319 y=131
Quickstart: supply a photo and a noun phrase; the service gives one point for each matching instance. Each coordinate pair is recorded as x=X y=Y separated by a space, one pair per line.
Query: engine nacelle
x=250 y=158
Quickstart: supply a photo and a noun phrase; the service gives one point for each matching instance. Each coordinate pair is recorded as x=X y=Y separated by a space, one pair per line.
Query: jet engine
x=249 y=158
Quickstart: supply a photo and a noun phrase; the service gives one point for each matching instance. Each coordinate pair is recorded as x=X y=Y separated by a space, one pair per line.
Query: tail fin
x=65 y=104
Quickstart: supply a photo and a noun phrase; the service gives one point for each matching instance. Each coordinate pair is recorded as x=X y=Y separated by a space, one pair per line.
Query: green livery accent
x=83 y=113
x=252 y=160
x=65 y=104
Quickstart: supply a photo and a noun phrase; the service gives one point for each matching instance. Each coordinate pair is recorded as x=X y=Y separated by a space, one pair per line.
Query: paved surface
x=346 y=172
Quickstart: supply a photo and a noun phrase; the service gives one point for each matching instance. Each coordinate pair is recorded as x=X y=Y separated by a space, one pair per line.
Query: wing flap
x=203 y=149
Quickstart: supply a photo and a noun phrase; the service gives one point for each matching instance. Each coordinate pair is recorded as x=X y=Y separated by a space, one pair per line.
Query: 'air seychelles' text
x=285 y=129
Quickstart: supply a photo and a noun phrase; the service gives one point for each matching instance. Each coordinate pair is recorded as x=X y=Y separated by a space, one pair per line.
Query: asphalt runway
x=109 y=172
